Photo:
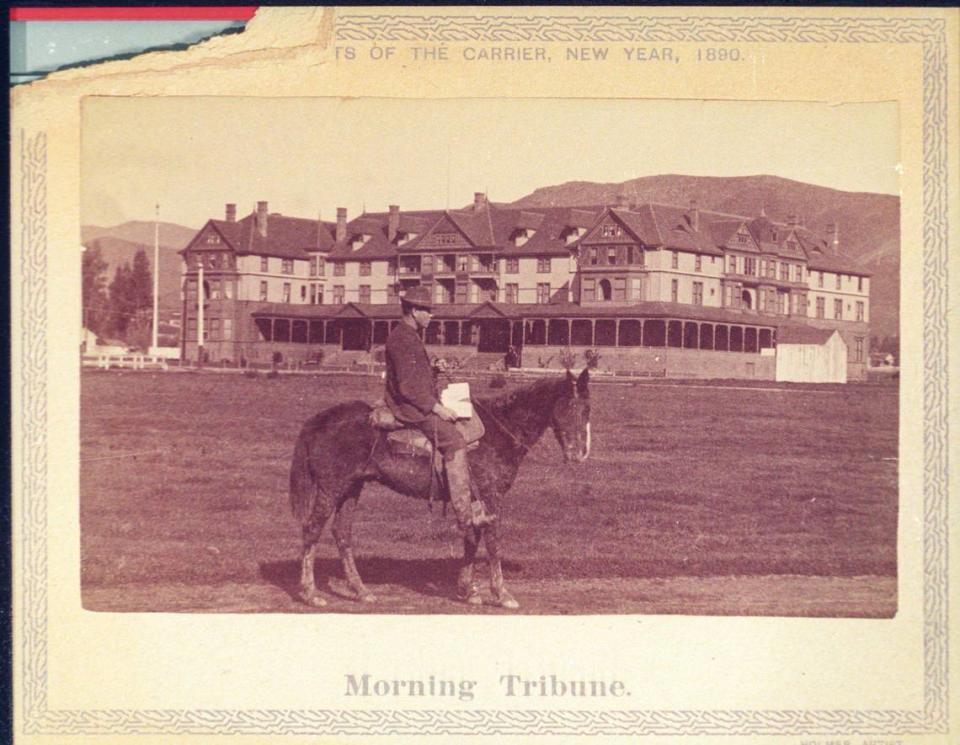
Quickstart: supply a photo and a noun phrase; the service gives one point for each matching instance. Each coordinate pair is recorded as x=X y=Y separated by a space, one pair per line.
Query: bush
x=498 y=381
x=251 y=374
x=272 y=374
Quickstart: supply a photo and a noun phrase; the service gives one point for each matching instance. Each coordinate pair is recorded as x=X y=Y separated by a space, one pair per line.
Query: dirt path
x=780 y=595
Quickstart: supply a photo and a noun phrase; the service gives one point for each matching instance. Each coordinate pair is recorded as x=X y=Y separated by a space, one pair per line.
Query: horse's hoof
x=368 y=597
x=508 y=602
x=474 y=599
x=313 y=600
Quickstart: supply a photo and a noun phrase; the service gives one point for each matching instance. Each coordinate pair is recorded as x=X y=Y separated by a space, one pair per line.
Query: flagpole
x=200 y=310
x=156 y=282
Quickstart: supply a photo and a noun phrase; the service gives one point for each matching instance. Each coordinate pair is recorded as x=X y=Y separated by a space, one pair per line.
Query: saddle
x=404 y=440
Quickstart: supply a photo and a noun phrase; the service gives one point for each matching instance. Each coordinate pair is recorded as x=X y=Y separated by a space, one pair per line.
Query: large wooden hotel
x=654 y=289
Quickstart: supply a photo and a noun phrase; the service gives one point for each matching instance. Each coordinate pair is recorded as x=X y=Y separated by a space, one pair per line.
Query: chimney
x=694 y=215
x=341 y=224
x=231 y=212
x=393 y=222
x=834 y=230
x=262 y=218
x=479 y=200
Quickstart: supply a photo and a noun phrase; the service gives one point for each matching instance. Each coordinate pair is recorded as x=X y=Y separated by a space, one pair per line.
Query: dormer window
x=213 y=238
x=359 y=240
x=446 y=239
x=522 y=235
x=404 y=237
x=610 y=231
x=572 y=234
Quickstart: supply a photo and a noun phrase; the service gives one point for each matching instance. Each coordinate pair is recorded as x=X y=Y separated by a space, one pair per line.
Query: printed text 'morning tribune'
x=511 y=685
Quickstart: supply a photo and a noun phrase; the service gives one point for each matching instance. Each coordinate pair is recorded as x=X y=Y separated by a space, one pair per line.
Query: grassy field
x=184 y=484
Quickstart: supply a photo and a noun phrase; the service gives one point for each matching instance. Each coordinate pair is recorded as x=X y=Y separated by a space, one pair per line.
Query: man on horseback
x=411 y=394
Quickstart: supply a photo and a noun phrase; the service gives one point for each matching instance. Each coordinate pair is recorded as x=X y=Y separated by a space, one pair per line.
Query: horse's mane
x=541 y=389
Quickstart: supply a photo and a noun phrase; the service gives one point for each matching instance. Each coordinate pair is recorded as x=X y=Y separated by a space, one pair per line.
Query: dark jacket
x=411 y=392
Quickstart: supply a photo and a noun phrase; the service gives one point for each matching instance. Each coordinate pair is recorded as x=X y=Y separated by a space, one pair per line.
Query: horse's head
x=571 y=418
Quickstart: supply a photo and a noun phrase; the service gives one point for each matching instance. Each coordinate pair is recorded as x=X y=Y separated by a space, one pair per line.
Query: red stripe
x=211 y=13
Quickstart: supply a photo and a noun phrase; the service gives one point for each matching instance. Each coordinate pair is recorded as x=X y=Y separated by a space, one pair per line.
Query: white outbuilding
x=811 y=355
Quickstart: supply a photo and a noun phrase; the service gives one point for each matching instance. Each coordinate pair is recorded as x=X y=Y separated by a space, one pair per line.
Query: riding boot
x=458 y=478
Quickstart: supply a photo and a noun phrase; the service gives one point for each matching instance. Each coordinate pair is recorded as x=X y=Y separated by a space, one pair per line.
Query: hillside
x=121 y=243
x=869 y=223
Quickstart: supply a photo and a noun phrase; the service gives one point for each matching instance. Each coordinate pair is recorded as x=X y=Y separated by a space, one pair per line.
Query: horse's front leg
x=468 y=589
x=500 y=593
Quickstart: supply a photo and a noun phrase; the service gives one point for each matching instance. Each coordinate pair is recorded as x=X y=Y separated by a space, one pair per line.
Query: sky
x=308 y=156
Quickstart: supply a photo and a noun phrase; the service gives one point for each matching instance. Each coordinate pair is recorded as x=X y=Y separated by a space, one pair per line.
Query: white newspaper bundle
x=456 y=396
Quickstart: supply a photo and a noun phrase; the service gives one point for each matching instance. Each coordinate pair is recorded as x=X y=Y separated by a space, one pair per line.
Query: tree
x=94 y=293
x=131 y=300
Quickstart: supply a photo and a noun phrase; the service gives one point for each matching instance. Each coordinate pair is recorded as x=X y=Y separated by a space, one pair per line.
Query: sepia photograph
x=437 y=373
x=526 y=356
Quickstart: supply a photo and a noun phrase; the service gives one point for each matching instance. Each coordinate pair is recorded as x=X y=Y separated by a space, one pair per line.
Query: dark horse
x=338 y=450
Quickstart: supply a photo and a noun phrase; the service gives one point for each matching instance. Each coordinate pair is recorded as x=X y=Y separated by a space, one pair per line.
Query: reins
x=516 y=440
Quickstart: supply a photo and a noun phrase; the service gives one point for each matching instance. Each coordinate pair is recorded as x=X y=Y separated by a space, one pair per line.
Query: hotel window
x=513 y=266
x=742 y=238
x=227 y=328
x=264 y=264
x=227 y=289
x=799 y=272
x=364 y=268
x=319 y=295
x=513 y=293
x=611 y=256
x=543 y=265
x=733 y=265
x=338 y=294
x=463 y=263
x=303 y=292
x=543 y=293
x=749 y=266
x=859 y=284
x=784 y=272
x=674 y=259
x=771 y=269
x=286 y=292
x=214 y=328
x=821 y=307
x=698 y=263
x=364 y=293
x=860 y=310
x=263 y=291
x=839 y=276
x=321 y=266
x=287 y=266
x=674 y=290
x=215 y=289
x=859 y=353
x=339 y=269
x=313 y=294
x=838 y=309
x=698 y=293
x=610 y=231
x=313 y=266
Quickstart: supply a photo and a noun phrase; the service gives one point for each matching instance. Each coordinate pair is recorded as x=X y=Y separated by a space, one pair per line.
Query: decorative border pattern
x=933 y=718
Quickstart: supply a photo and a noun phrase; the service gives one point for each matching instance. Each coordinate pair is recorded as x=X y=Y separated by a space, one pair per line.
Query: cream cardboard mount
x=110 y=677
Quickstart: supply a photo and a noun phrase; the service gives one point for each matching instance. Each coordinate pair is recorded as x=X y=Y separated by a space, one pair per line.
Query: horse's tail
x=303 y=487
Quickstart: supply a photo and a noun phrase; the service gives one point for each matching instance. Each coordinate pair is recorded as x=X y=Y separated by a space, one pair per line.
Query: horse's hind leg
x=312 y=531
x=343 y=534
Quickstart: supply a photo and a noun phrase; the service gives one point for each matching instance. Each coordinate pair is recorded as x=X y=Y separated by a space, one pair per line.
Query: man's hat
x=418 y=297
